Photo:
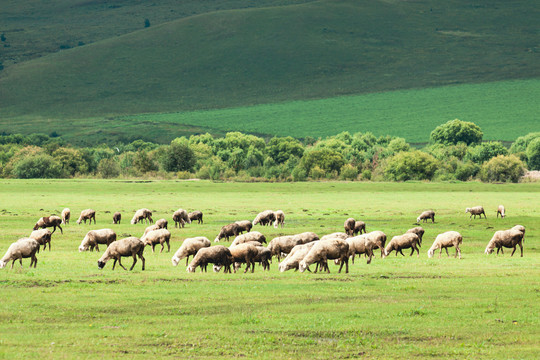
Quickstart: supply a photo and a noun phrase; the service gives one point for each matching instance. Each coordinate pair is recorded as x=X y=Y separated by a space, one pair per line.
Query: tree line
x=455 y=152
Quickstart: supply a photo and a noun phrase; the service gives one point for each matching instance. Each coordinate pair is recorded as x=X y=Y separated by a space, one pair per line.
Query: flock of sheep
x=299 y=251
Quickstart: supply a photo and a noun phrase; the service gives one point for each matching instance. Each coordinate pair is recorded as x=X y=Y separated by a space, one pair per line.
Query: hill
x=246 y=57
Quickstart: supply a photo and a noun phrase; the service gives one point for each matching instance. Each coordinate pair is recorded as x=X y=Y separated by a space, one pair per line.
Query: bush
x=366 y=174
x=348 y=172
x=316 y=173
x=178 y=157
x=502 y=169
x=410 y=165
x=483 y=152
x=466 y=171
x=521 y=143
x=533 y=154
x=40 y=166
x=108 y=168
x=299 y=174
x=456 y=131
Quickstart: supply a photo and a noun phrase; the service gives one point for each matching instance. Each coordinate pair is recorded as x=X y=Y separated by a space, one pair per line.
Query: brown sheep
x=189 y=247
x=117 y=217
x=22 y=248
x=359 y=226
x=162 y=223
x=501 y=211
x=142 y=214
x=227 y=231
x=428 y=214
x=325 y=250
x=87 y=214
x=264 y=256
x=506 y=238
x=349 y=226
x=404 y=241
x=378 y=238
x=477 y=210
x=180 y=218
x=161 y=236
x=66 y=215
x=244 y=226
x=196 y=215
x=266 y=217
x=251 y=236
x=95 y=237
x=280 y=218
x=49 y=221
x=244 y=253
x=130 y=246
x=446 y=240
x=218 y=255
x=418 y=231
x=43 y=237
x=284 y=244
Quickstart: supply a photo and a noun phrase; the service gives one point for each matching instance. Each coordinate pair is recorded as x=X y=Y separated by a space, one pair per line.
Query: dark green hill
x=314 y=50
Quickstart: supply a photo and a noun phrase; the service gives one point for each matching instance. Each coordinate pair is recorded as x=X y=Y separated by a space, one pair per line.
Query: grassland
x=482 y=307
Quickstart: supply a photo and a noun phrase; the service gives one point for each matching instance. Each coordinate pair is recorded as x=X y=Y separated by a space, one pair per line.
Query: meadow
x=482 y=307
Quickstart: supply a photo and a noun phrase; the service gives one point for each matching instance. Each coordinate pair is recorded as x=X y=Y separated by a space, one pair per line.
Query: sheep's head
x=79 y=221
x=217 y=268
x=36 y=227
x=302 y=266
x=101 y=264
x=2 y=264
x=133 y=221
x=467 y=210
x=83 y=248
x=190 y=269
x=489 y=250
x=430 y=253
x=175 y=260
x=216 y=239
x=418 y=219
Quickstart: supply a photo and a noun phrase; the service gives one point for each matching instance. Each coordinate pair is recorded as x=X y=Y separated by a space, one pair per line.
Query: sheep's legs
x=120 y=263
x=97 y=247
x=401 y=252
x=134 y=262
x=521 y=246
x=114 y=264
x=458 y=252
x=447 y=254
x=513 y=251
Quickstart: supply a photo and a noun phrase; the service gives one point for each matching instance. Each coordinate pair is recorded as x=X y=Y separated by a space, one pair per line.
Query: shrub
x=108 y=168
x=366 y=174
x=466 y=171
x=483 y=152
x=316 y=173
x=533 y=154
x=325 y=159
x=348 y=172
x=456 y=131
x=410 y=165
x=521 y=143
x=39 y=166
x=502 y=169
x=178 y=157
x=299 y=174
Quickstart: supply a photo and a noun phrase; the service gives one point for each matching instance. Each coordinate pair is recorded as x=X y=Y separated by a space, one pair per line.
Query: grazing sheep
x=349 y=226
x=87 y=214
x=359 y=226
x=264 y=256
x=324 y=250
x=418 y=231
x=360 y=245
x=400 y=242
x=477 y=210
x=227 y=231
x=95 y=237
x=180 y=218
x=500 y=211
x=339 y=235
x=378 y=239
x=446 y=240
x=142 y=214
x=520 y=228
x=244 y=253
x=130 y=246
x=266 y=217
x=162 y=223
x=284 y=244
x=280 y=218
x=244 y=226
x=428 y=214
x=189 y=247
x=506 y=238
x=218 y=255
x=150 y=228
x=297 y=254
x=161 y=236
x=43 y=237
x=196 y=215
x=49 y=221
x=66 y=215
x=251 y=236
x=22 y=248
x=117 y=217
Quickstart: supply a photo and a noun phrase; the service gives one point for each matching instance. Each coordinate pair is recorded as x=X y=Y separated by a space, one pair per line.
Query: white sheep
x=162 y=223
x=66 y=215
x=189 y=247
x=22 y=248
x=49 y=221
x=250 y=236
x=418 y=231
x=340 y=235
x=500 y=211
x=405 y=241
x=161 y=236
x=87 y=214
x=196 y=215
x=359 y=226
x=297 y=254
x=506 y=238
x=95 y=237
x=142 y=214
x=130 y=246
x=180 y=218
x=349 y=226
x=264 y=218
x=360 y=245
x=446 y=240
x=325 y=250
x=280 y=218
x=218 y=255
x=284 y=244
x=428 y=214
x=244 y=253
x=477 y=210
x=43 y=237
x=378 y=239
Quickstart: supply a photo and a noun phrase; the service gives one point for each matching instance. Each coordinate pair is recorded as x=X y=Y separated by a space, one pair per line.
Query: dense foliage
x=456 y=153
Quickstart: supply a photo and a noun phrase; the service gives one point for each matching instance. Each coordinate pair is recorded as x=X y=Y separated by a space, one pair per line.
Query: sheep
x=340 y=235
x=404 y=241
x=520 y=228
x=418 y=231
x=155 y=237
x=130 y=246
x=117 y=217
x=189 y=247
x=506 y=238
x=244 y=253
x=359 y=226
x=264 y=256
x=180 y=218
x=142 y=214
x=95 y=237
x=280 y=218
x=428 y=214
x=87 y=214
x=22 y=248
x=252 y=236
x=446 y=240
x=162 y=223
x=500 y=211
x=49 y=221
x=66 y=215
x=325 y=250
x=244 y=226
x=196 y=215
x=477 y=210
x=218 y=255
x=264 y=218
x=378 y=239
x=227 y=231
x=284 y=244
x=349 y=226
x=360 y=245
x=43 y=237
x=296 y=255
x=150 y=228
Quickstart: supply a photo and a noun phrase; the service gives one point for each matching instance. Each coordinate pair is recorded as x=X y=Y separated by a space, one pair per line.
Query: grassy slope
x=481 y=307
x=245 y=57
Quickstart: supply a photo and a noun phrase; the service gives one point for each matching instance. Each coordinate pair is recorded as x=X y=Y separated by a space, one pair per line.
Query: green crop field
x=482 y=307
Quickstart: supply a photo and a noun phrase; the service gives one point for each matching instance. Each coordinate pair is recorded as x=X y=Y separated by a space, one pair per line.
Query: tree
x=502 y=169
x=533 y=154
x=146 y=23
x=282 y=148
x=324 y=159
x=178 y=156
x=38 y=166
x=485 y=151
x=410 y=165
x=456 y=131
x=521 y=143
x=108 y=168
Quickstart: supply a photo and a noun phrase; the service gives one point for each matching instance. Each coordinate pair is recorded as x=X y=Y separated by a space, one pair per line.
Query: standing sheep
x=500 y=211
x=161 y=236
x=189 y=247
x=280 y=218
x=87 y=214
x=130 y=246
x=325 y=250
x=66 y=215
x=251 y=236
x=418 y=231
x=49 y=221
x=378 y=239
x=428 y=214
x=180 y=218
x=477 y=210
x=22 y=248
x=359 y=226
x=446 y=240
x=142 y=214
x=196 y=215
x=340 y=235
x=264 y=256
x=520 y=228
x=297 y=254
x=506 y=238
x=349 y=226
x=162 y=223
x=43 y=237
x=227 y=231
x=218 y=255
x=117 y=217
x=244 y=226
x=266 y=217
x=244 y=253
x=284 y=244
x=405 y=241
x=150 y=228
x=95 y=237
x=360 y=245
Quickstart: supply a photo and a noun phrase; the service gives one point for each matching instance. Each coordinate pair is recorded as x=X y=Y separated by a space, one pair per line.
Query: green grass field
x=482 y=307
